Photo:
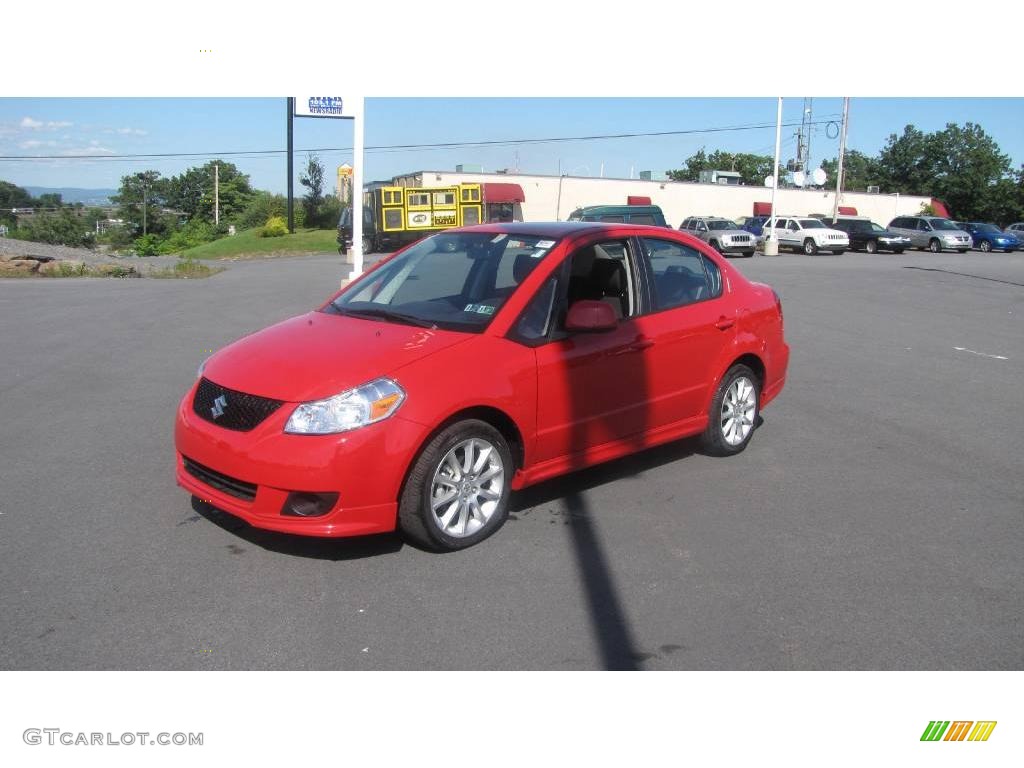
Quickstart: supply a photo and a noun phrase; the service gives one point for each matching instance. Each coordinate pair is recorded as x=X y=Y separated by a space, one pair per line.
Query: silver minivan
x=932 y=232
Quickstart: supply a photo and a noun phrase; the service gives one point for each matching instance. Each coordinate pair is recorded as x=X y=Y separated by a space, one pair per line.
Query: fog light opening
x=301 y=504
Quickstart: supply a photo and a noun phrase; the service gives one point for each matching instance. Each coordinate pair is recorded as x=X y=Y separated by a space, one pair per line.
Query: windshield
x=453 y=280
x=811 y=224
x=988 y=228
x=942 y=224
x=722 y=224
x=877 y=228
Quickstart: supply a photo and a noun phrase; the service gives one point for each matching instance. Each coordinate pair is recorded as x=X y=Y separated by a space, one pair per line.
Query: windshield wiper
x=387 y=314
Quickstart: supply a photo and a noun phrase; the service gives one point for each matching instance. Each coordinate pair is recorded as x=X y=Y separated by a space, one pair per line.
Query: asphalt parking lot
x=875 y=522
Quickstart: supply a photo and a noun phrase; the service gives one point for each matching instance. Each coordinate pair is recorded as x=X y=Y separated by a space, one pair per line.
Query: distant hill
x=75 y=194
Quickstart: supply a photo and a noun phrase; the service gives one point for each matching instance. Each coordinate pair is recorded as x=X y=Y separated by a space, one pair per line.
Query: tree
x=62 y=227
x=313 y=180
x=752 y=168
x=192 y=192
x=12 y=196
x=139 y=201
x=50 y=200
x=859 y=171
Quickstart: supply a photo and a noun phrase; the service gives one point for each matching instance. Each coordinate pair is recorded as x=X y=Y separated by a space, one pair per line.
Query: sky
x=100 y=127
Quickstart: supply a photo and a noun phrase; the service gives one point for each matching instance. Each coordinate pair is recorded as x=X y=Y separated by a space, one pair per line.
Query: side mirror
x=591 y=316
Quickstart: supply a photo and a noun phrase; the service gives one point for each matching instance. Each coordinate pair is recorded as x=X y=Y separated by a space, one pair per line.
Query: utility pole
x=216 y=194
x=145 y=200
x=771 y=242
x=291 y=171
x=842 y=151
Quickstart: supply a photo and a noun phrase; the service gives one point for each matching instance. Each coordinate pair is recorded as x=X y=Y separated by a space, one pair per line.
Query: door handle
x=639 y=345
x=725 y=323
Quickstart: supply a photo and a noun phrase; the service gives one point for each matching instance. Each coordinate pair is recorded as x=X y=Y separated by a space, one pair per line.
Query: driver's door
x=592 y=386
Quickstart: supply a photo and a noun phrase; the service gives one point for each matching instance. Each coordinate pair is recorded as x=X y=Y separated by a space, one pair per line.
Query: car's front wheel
x=733 y=414
x=986 y=246
x=872 y=246
x=457 y=492
x=810 y=248
x=934 y=246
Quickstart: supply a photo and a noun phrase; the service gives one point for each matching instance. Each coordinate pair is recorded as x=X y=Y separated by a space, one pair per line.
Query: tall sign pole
x=216 y=194
x=291 y=169
x=344 y=109
x=771 y=243
x=842 y=152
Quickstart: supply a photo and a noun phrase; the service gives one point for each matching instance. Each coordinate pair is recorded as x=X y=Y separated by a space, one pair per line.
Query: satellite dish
x=799 y=178
x=769 y=181
x=818 y=176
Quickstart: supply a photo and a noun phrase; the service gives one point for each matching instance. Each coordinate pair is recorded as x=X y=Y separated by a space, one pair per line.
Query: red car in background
x=473 y=363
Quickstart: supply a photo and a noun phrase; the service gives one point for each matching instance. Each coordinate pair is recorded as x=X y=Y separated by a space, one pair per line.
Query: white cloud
x=93 y=149
x=29 y=124
x=132 y=132
x=33 y=143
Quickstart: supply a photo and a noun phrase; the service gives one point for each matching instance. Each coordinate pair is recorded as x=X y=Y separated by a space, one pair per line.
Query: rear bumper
x=365 y=467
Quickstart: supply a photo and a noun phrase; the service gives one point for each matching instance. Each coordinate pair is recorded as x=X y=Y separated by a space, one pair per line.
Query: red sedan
x=473 y=363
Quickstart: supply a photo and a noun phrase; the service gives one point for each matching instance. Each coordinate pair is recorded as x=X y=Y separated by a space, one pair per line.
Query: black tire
x=985 y=246
x=713 y=439
x=961 y=250
x=810 y=248
x=748 y=254
x=872 y=246
x=934 y=246
x=839 y=253
x=367 y=245
x=415 y=517
x=342 y=250
x=897 y=250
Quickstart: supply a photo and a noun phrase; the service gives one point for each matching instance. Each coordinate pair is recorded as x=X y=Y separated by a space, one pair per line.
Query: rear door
x=689 y=321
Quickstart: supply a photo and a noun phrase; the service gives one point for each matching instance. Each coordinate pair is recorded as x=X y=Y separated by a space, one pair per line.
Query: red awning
x=637 y=200
x=940 y=208
x=501 y=192
x=762 y=209
x=847 y=210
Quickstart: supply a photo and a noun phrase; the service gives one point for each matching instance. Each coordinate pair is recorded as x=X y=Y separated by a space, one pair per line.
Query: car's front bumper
x=365 y=467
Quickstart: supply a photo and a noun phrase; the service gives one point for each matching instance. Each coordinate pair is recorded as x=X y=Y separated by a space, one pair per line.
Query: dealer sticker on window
x=480 y=309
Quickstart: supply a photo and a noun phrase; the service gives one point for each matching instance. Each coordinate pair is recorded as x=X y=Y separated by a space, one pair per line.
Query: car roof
x=553 y=228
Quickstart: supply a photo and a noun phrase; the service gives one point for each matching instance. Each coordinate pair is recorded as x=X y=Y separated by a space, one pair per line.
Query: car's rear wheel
x=733 y=414
x=457 y=492
x=934 y=246
x=367 y=245
x=986 y=246
x=872 y=246
x=809 y=247
x=897 y=250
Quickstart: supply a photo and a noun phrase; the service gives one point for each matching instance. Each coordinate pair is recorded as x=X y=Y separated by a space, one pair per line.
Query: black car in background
x=867 y=236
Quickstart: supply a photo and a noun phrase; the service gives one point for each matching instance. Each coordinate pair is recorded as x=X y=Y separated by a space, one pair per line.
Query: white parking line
x=980 y=354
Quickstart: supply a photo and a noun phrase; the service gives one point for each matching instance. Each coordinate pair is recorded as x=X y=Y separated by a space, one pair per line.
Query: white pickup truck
x=807 y=235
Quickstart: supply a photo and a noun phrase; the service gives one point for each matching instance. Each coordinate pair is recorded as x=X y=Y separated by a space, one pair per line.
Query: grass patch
x=249 y=244
x=186 y=269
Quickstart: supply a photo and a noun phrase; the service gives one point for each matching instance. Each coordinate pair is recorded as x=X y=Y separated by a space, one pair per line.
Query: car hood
x=318 y=355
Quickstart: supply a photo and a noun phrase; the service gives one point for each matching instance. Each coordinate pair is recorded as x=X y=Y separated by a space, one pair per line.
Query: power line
x=256 y=153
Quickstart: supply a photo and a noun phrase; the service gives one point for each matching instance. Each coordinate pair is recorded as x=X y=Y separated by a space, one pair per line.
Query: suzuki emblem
x=218 y=407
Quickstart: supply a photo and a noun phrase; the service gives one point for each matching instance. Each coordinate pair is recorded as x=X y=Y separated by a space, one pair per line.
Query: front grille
x=740 y=238
x=230 y=409
x=229 y=485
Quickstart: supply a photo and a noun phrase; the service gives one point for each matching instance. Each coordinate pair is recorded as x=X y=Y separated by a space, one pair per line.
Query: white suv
x=808 y=235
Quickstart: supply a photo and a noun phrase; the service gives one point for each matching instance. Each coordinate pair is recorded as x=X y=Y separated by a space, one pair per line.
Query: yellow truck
x=396 y=216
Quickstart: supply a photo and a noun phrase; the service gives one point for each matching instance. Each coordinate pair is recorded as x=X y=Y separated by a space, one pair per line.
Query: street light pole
x=216 y=194
x=291 y=170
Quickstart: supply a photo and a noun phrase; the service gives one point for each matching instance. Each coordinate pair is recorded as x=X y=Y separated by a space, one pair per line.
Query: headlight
x=355 y=408
x=202 y=367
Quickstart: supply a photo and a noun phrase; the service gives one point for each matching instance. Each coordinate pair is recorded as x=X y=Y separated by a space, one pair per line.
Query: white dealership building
x=553 y=198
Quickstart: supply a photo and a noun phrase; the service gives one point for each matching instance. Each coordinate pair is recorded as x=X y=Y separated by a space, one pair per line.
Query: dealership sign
x=324 y=106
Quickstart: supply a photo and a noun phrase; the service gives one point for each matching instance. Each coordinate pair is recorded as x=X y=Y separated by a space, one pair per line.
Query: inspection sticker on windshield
x=544 y=244
x=480 y=309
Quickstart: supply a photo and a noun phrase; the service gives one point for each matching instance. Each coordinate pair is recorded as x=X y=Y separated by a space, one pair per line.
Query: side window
x=602 y=272
x=686 y=224
x=678 y=273
x=701 y=226
x=611 y=218
x=534 y=324
x=792 y=226
x=923 y=225
x=714 y=277
x=641 y=218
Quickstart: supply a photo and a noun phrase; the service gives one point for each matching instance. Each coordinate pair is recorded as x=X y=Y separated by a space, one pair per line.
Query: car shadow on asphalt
x=316 y=548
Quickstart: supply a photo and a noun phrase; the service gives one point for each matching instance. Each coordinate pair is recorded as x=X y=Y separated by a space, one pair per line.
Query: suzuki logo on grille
x=218 y=407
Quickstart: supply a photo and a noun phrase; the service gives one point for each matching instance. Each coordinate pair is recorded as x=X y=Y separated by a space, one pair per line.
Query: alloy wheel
x=738 y=407
x=467 y=487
